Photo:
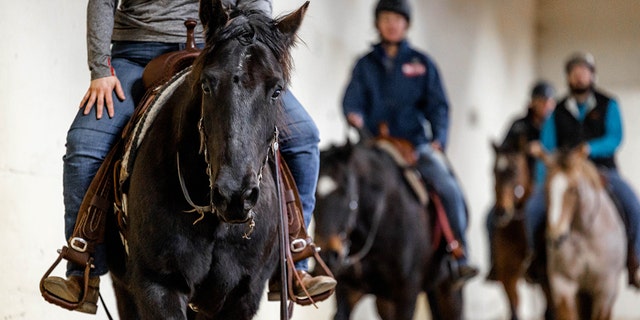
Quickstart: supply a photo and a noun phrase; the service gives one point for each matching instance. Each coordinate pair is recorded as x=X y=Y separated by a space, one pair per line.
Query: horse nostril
x=250 y=197
x=218 y=199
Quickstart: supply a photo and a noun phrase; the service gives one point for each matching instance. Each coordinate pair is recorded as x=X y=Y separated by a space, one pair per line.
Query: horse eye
x=205 y=87
x=276 y=93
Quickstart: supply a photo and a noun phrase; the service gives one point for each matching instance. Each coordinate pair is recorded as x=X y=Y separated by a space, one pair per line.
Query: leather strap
x=290 y=199
x=444 y=228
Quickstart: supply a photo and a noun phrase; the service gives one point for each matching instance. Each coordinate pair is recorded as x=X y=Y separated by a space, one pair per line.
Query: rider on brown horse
x=527 y=130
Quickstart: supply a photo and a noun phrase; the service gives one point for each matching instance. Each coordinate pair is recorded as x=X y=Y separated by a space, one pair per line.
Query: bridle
x=519 y=194
x=204 y=150
x=345 y=259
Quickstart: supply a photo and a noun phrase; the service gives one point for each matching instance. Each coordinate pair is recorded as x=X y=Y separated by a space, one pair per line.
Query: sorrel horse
x=202 y=211
x=509 y=248
x=376 y=236
x=586 y=243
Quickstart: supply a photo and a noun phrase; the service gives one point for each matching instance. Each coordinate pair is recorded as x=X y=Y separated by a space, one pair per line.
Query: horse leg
x=125 y=301
x=510 y=284
x=242 y=303
x=156 y=301
x=386 y=308
x=604 y=299
x=346 y=300
x=564 y=293
x=445 y=303
x=401 y=307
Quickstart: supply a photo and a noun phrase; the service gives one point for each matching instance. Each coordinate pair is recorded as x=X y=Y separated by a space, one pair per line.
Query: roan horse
x=208 y=145
x=586 y=243
x=376 y=236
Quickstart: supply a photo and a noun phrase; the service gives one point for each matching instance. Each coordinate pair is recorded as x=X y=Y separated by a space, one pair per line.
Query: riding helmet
x=542 y=89
x=397 y=6
x=583 y=58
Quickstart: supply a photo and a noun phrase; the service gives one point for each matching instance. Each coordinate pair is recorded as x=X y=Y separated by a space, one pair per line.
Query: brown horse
x=509 y=248
x=511 y=254
x=585 y=239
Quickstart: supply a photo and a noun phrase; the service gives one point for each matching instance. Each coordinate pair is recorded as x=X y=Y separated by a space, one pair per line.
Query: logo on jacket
x=414 y=68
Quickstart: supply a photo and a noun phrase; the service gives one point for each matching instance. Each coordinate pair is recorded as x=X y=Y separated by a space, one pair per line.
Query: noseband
x=210 y=208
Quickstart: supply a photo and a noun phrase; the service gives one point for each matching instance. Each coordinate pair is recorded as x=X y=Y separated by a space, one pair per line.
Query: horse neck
x=596 y=207
x=185 y=117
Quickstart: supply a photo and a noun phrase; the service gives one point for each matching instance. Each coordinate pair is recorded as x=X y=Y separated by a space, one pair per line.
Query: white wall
x=489 y=52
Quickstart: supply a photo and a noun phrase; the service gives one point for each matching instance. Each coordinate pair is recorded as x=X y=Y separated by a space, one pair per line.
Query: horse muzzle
x=235 y=206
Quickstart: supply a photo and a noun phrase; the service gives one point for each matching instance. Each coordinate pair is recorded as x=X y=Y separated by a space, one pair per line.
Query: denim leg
x=535 y=215
x=299 y=148
x=89 y=140
x=631 y=207
x=437 y=174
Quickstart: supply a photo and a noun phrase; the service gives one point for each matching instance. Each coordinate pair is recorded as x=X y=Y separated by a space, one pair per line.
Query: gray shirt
x=143 y=20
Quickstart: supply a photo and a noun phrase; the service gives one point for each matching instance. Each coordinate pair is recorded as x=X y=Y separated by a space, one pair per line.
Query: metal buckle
x=73 y=244
x=298 y=242
x=452 y=246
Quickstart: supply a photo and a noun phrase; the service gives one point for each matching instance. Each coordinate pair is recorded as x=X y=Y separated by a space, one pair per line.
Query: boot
x=315 y=286
x=71 y=290
x=462 y=274
x=535 y=271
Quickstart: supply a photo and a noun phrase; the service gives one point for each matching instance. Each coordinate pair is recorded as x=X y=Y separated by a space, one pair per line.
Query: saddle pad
x=412 y=176
x=143 y=125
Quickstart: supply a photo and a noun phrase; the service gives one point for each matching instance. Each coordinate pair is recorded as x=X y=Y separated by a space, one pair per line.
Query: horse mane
x=574 y=163
x=249 y=27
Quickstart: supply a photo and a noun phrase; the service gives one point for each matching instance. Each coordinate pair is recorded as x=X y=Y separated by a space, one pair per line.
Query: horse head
x=512 y=181
x=572 y=186
x=337 y=204
x=239 y=77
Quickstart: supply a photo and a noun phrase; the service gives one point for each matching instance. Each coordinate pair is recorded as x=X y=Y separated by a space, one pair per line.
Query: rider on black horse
x=400 y=86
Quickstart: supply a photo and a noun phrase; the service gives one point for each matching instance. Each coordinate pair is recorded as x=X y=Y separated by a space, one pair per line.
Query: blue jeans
x=536 y=209
x=535 y=214
x=299 y=148
x=89 y=140
x=439 y=176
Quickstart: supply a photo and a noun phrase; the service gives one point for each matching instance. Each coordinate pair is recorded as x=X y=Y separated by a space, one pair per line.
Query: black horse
x=376 y=236
x=202 y=205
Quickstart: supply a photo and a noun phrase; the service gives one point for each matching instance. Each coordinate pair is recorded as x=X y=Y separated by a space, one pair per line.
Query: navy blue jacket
x=405 y=92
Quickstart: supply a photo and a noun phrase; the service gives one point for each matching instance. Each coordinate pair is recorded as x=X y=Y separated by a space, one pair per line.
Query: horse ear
x=495 y=146
x=583 y=150
x=212 y=16
x=290 y=23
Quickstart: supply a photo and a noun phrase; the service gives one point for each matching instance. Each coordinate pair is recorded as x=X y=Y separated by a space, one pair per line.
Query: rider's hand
x=355 y=120
x=99 y=94
x=585 y=150
x=535 y=149
x=436 y=145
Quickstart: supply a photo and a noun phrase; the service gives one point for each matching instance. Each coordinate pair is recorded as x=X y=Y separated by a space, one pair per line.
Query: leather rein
x=348 y=260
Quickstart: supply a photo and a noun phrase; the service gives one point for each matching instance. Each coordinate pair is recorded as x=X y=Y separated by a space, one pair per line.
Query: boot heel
x=88 y=307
